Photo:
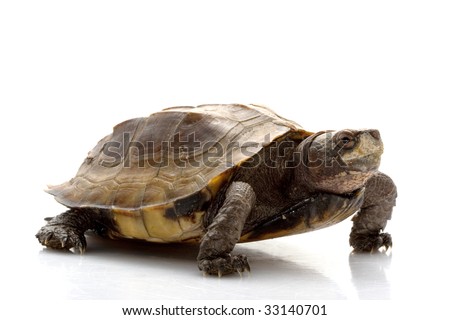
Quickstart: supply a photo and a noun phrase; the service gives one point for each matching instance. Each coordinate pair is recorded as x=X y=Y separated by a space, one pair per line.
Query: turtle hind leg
x=66 y=231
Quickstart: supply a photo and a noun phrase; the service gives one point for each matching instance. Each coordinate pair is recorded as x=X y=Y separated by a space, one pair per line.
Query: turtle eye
x=345 y=139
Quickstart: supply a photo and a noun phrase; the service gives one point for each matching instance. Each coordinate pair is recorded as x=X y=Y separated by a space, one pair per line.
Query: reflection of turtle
x=220 y=174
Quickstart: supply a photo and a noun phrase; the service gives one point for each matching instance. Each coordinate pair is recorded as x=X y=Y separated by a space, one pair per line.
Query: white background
x=70 y=70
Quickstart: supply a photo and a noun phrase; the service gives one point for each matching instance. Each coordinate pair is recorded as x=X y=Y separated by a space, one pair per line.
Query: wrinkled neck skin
x=297 y=184
x=295 y=172
x=287 y=174
x=303 y=183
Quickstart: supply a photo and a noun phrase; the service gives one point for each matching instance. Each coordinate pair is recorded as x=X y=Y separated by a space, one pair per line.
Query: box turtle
x=220 y=174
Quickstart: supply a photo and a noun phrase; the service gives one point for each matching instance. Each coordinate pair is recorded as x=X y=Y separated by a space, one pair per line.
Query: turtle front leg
x=368 y=225
x=225 y=231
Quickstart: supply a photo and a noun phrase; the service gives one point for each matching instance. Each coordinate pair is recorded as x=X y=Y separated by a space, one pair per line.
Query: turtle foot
x=62 y=237
x=370 y=242
x=224 y=265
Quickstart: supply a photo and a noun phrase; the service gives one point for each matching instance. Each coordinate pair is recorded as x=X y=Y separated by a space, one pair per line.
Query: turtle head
x=340 y=161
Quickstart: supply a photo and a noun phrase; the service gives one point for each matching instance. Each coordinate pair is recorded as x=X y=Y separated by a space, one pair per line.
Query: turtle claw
x=61 y=237
x=224 y=265
x=387 y=240
x=370 y=242
x=77 y=249
x=240 y=263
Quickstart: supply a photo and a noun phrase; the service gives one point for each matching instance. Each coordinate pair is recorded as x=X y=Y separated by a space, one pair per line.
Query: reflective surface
x=293 y=268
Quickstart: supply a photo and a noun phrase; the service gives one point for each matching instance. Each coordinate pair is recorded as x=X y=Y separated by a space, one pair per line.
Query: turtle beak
x=363 y=151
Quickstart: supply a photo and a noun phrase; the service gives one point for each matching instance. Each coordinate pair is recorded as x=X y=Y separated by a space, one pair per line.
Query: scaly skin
x=66 y=230
x=224 y=232
x=368 y=224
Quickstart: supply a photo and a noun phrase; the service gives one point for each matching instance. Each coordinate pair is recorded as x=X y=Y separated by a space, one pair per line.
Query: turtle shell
x=157 y=175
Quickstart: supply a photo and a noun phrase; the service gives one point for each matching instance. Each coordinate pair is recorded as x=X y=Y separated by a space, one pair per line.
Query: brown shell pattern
x=143 y=179
x=170 y=164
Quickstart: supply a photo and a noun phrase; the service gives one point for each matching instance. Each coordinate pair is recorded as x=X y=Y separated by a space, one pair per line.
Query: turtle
x=221 y=174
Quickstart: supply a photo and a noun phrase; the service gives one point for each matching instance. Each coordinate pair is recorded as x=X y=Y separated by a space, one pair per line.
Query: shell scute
x=158 y=174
